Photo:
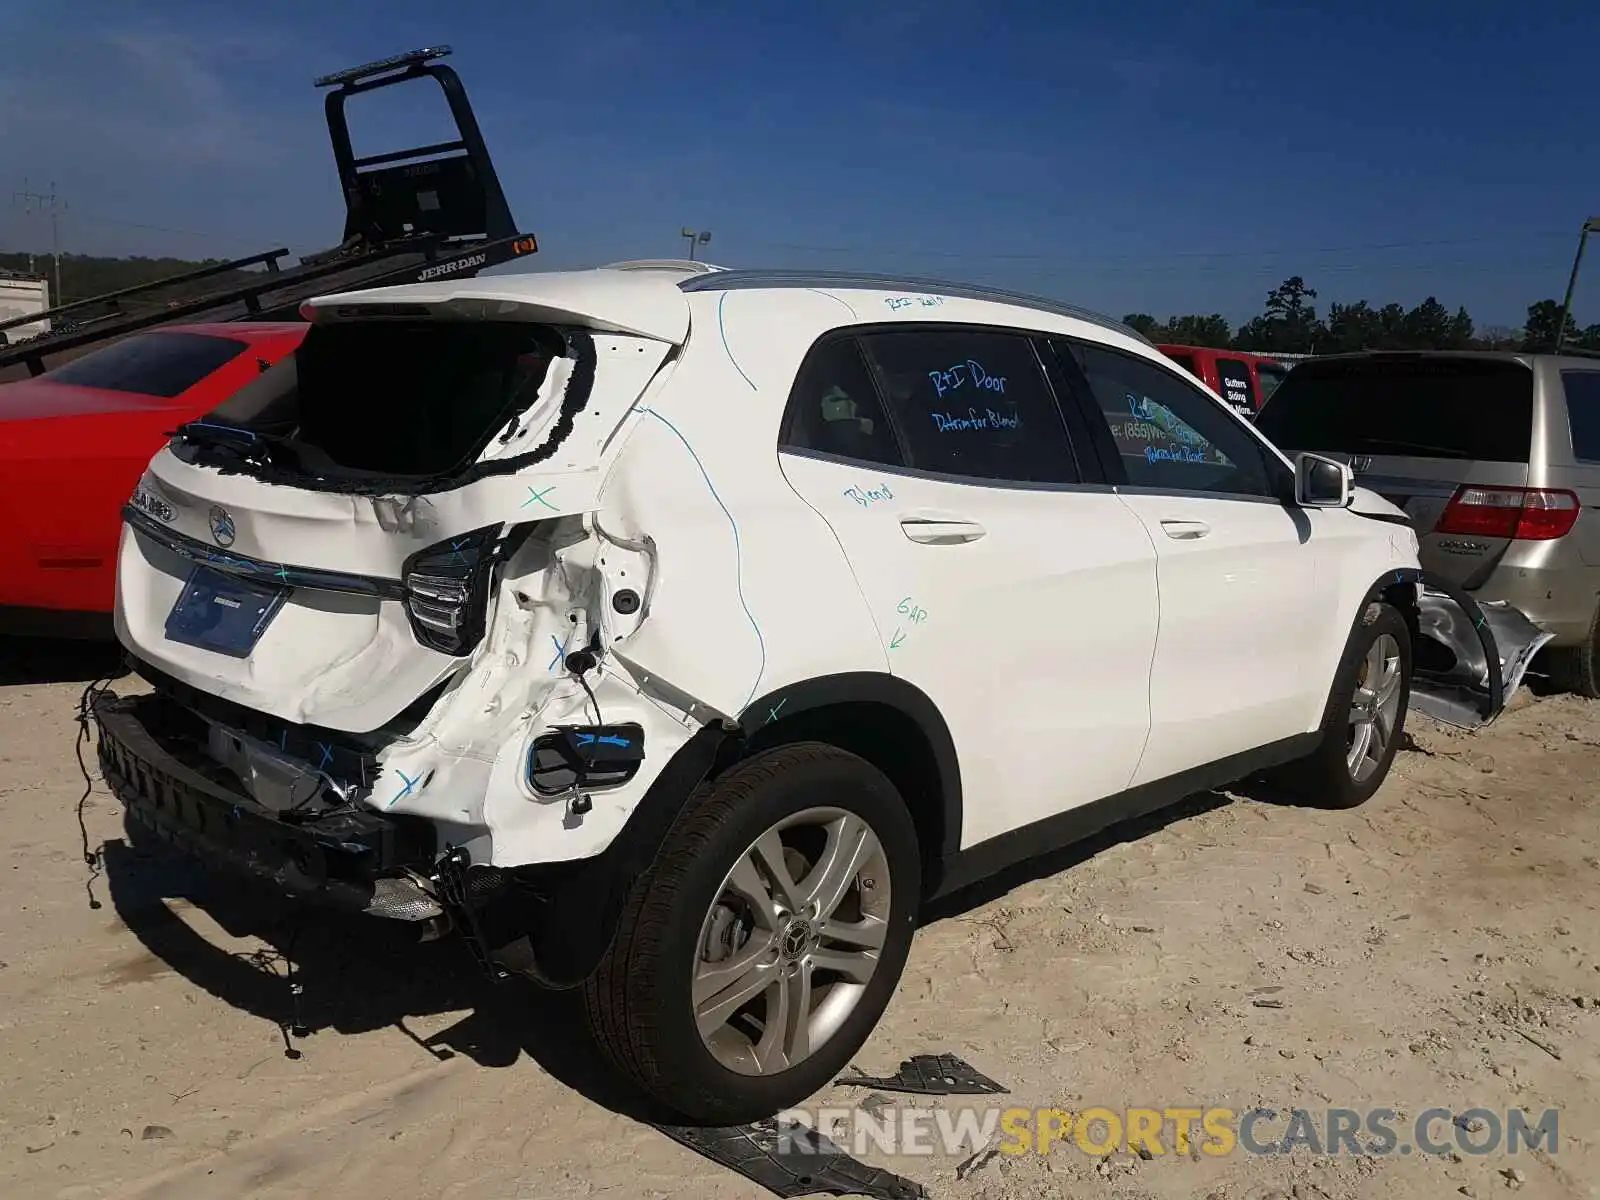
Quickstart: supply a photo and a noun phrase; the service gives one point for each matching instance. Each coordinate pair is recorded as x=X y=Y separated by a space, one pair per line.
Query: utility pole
x=695 y=238
x=1592 y=225
x=38 y=202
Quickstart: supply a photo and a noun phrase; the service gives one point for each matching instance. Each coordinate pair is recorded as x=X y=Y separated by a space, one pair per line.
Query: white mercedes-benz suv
x=674 y=633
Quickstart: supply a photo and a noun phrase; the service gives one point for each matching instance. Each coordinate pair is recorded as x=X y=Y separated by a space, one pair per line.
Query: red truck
x=1243 y=380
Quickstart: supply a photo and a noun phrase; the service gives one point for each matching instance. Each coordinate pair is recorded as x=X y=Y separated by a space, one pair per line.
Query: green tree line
x=85 y=276
x=1289 y=324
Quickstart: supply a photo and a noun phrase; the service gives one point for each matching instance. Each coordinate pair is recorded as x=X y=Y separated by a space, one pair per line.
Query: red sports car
x=74 y=442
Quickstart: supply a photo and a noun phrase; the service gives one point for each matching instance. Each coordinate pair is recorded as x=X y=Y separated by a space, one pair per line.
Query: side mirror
x=1322 y=482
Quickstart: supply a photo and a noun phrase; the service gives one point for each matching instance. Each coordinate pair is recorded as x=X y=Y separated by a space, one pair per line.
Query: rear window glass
x=1186 y=361
x=150 y=364
x=1421 y=408
x=1583 y=412
x=406 y=397
x=1270 y=375
x=834 y=408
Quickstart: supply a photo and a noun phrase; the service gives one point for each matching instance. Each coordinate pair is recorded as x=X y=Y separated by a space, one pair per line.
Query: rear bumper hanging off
x=353 y=859
x=1470 y=656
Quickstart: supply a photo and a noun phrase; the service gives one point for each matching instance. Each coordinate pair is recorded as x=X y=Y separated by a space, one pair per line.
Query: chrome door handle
x=941 y=533
x=1185 y=529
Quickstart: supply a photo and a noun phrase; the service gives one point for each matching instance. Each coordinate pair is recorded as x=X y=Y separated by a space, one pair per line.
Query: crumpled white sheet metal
x=1461 y=694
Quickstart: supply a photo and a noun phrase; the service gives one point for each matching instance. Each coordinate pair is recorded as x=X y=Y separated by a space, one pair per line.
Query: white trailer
x=22 y=296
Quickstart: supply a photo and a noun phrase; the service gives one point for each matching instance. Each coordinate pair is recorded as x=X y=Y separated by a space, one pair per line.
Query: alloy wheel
x=791 y=941
x=1375 y=708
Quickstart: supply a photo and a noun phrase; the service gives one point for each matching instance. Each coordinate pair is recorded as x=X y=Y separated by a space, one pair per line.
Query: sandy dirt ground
x=1436 y=948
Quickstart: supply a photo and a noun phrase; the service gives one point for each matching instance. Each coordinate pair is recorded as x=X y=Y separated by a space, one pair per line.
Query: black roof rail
x=430 y=212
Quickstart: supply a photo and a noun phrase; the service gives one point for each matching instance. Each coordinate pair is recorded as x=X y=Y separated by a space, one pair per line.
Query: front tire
x=757 y=952
x=1365 y=716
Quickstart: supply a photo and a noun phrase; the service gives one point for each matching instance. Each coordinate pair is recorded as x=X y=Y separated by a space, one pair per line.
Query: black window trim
x=1279 y=472
x=1091 y=472
x=901 y=471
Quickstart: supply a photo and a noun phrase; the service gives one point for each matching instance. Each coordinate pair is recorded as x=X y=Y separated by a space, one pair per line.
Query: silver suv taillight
x=447 y=590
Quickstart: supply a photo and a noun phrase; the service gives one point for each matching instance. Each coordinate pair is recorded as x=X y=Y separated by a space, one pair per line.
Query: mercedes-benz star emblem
x=222 y=531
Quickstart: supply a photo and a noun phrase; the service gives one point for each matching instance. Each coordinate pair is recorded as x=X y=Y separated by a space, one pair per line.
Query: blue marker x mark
x=405 y=791
x=561 y=651
x=609 y=739
x=539 y=496
x=282 y=573
x=772 y=713
x=327 y=756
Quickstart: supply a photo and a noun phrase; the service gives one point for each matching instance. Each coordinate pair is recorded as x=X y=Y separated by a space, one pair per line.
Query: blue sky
x=1157 y=158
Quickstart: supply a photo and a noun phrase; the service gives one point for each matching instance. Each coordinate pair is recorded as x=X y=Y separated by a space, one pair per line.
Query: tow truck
x=425 y=213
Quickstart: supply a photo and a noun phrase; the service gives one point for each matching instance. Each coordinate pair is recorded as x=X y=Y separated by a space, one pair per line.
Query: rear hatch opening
x=403 y=404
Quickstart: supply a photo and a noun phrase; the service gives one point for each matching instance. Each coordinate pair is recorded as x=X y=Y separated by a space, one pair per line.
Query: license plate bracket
x=223 y=613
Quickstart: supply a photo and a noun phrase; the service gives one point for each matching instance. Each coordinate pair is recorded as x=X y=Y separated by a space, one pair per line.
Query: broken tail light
x=447 y=590
x=1524 y=514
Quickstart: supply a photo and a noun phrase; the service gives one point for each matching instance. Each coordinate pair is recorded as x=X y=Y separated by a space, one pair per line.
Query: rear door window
x=150 y=364
x=1452 y=408
x=1186 y=361
x=1583 y=413
x=973 y=402
x=1237 y=389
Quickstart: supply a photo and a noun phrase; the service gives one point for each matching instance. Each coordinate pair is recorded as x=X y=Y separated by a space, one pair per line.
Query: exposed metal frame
x=744 y=280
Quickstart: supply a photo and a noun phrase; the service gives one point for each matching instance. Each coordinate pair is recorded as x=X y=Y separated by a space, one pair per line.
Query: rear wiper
x=246 y=444
x=214 y=434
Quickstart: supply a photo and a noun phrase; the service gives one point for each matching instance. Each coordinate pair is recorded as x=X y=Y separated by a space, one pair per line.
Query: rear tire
x=656 y=1003
x=1364 y=718
x=1576 y=669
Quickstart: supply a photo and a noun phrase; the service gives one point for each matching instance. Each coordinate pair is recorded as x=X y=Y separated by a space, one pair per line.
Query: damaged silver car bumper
x=1471 y=656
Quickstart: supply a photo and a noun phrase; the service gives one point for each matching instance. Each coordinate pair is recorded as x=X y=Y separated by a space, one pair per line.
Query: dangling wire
x=86 y=703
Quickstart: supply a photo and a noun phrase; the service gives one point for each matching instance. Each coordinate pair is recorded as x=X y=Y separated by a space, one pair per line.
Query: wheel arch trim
x=890 y=691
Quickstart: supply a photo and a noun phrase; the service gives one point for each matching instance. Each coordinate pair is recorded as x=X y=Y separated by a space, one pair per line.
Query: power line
x=199 y=233
x=39 y=202
x=1057 y=256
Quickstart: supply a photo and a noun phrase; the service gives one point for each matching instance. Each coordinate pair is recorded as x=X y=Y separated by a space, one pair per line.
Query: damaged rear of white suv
x=674 y=633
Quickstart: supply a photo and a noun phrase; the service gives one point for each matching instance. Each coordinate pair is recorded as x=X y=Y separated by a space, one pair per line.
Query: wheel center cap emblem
x=795 y=939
